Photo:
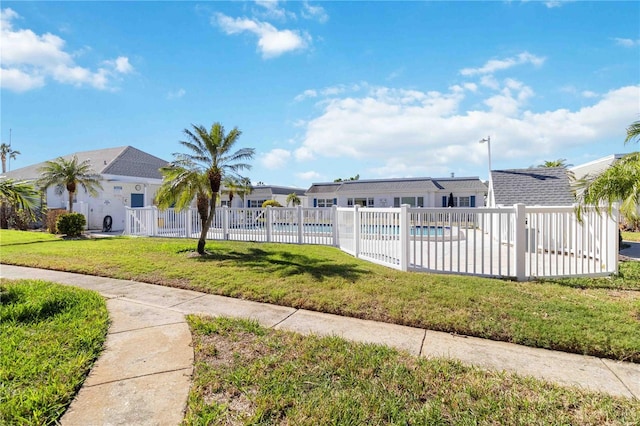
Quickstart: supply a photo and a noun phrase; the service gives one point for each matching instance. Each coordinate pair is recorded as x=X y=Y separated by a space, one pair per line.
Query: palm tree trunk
x=206 y=225
x=70 y=202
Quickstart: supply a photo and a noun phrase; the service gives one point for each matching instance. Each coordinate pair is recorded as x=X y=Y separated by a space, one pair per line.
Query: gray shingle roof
x=321 y=188
x=543 y=186
x=387 y=185
x=400 y=184
x=460 y=184
x=120 y=161
x=275 y=190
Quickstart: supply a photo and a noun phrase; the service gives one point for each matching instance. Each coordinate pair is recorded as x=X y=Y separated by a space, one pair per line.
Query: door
x=137 y=200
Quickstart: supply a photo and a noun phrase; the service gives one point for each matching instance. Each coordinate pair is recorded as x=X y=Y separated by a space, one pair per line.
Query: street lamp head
x=487 y=139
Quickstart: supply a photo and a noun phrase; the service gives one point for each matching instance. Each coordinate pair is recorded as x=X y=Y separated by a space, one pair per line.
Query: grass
x=50 y=336
x=246 y=374
x=631 y=236
x=594 y=317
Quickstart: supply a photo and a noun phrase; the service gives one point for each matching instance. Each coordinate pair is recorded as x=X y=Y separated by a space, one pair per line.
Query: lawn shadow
x=285 y=264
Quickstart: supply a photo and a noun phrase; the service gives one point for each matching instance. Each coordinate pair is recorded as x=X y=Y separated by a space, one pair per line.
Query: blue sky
x=322 y=89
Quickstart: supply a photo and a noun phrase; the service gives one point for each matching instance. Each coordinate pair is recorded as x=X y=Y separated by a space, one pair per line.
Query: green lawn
x=246 y=374
x=631 y=236
x=597 y=317
x=50 y=336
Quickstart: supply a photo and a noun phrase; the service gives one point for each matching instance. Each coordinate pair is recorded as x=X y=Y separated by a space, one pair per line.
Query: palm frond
x=633 y=132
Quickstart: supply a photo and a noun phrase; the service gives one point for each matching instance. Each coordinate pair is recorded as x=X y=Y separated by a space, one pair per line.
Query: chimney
x=452 y=174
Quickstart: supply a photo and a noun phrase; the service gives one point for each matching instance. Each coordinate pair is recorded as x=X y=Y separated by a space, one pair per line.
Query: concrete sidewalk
x=143 y=376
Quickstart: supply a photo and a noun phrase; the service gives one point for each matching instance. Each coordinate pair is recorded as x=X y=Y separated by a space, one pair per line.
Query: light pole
x=488 y=141
x=489 y=195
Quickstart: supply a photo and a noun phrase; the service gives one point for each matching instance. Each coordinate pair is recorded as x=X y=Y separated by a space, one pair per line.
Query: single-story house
x=261 y=193
x=539 y=186
x=129 y=177
x=417 y=192
x=595 y=167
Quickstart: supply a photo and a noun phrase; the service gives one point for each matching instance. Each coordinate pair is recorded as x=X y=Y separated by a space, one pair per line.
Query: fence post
x=154 y=221
x=189 y=222
x=520 y=224
x=300 y=225
x=268 y=224
x=613 y=230
x=225 y=222
x=127 y=221
x=334 y=225
x=356 y=231
x=404 y=237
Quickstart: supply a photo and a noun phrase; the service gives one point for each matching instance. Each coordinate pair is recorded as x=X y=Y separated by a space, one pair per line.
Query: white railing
x=515 y=242
x=279 y=225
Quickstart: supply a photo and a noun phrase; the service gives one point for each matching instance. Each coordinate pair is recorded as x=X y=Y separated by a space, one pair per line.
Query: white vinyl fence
x=514 y=242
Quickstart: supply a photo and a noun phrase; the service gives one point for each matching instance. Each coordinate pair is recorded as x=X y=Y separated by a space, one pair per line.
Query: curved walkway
x=144 y=374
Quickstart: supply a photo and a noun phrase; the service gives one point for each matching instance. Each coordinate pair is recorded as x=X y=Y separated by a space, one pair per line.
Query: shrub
x=272 y=203
x=71 y=224
x=52 y=219
x=20 y=219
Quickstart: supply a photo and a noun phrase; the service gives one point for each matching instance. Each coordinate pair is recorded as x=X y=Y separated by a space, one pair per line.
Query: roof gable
x=120 y=161
x=543 y=186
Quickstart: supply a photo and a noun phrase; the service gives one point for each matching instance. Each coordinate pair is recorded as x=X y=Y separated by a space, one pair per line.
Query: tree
x=356 y=177
x=618 y=183
x=199 y=174
x=236 y=185
x=293 y=199
x=7 y=152
x=68 y=174
x=20 y=195
x=560 y=162
x=271 y=203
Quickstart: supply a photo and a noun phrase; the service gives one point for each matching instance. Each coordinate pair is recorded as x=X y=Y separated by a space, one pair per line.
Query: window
x=325 y=202
x=463 y=202
x=256 y=203
x=363 y=202
x=412 y=201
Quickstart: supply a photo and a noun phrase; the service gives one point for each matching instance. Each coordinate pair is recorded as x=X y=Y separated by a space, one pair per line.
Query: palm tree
x=20 y=195
x=7 y=152
x=68 y=174
x=293 y=199
x=560 y=162
x=245 y=188
x=618 y=183
x=199 y=174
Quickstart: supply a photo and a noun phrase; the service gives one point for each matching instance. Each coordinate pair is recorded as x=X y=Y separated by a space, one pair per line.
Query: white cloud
x=310 y=175
x=271 y=41
x=28 y=59
x=411 y=133
x=589 y=94
x=627 y=42
x=272 y=10
x=309 y=93
x=314 y=12
x=276 y=158
x=176 y=94
x=121 y=65
x=551 y=4
x=19 y=81
x=494 y=65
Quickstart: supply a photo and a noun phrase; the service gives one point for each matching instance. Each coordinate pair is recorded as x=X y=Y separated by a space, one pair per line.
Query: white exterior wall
x=431 y=199
x=110 y=201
